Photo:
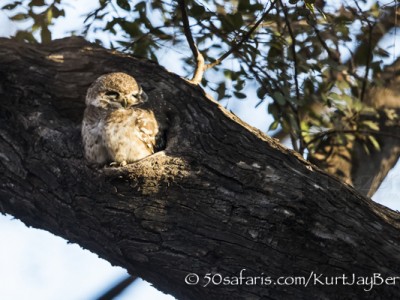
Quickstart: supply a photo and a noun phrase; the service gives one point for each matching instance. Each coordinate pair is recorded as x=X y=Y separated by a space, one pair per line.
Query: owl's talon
x=117 y=164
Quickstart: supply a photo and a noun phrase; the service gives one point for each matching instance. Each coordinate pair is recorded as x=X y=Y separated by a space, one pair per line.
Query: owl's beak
x=125 y=102
x=143 y=97
x=132 y=101
x=128 y=102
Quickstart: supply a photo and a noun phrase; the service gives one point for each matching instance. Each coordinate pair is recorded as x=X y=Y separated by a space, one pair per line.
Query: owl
x=116 y=126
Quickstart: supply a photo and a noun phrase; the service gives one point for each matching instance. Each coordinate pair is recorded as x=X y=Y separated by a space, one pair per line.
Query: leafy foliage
x=39 y=13
x=313 y=60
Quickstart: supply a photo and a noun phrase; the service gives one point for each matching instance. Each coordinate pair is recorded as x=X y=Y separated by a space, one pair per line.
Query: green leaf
x=19 y=17
x=58 y=12
x=276 y=50
x=240 y=95
x=349 y=100
x=12 y=5
x=231 y=22
x=124 y=4
x=309 y=86
x=374 y=10
x=391 y=114
x=49 y=16
x=221 y=90
x=362 y=54
x=237 y=20
x=110 y=26
x=37 y=3
x=36 y=27
x=261 y=92
x=273 y=109
x=197 y=11
x=239 y=85
x=273 y=125
x=310 y=6
x=371 y=125
x=374 y=142
x=334 y=96
x=132 y=28
x=279 y=98
x=25 y=36
x=244 y=5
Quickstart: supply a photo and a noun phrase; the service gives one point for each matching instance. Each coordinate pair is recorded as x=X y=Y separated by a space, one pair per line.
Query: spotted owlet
x=116 y=126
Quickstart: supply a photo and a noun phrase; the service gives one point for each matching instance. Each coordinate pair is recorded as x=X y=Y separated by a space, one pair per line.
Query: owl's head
x=115 y=90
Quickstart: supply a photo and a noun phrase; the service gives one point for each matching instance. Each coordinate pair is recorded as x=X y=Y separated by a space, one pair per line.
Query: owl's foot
x=116 y=164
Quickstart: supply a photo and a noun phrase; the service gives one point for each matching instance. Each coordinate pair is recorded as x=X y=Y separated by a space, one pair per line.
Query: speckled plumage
x=116 y=127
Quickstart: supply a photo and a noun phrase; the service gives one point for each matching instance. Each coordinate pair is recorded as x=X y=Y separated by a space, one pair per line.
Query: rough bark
x=220 y=198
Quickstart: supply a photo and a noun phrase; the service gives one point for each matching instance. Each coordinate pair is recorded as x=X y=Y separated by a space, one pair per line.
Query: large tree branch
x=220 y=198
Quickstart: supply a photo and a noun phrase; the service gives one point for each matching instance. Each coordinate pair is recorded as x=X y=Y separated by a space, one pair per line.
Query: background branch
x=296 y=81
x=245 y=38
x=323 y=134
x=118 y=288
x=199 y=69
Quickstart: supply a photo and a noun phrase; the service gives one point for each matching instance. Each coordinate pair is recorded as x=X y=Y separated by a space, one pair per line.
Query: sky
x=35 y=264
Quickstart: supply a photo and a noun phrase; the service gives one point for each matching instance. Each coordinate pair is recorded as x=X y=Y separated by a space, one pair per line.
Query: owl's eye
x=112 y=94
x=137 y=94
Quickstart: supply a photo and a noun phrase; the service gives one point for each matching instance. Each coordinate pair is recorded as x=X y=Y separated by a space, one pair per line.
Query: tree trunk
x=385 y=98
x=221 y=197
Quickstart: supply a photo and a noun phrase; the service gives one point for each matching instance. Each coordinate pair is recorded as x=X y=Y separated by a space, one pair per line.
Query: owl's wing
x=147 y=129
